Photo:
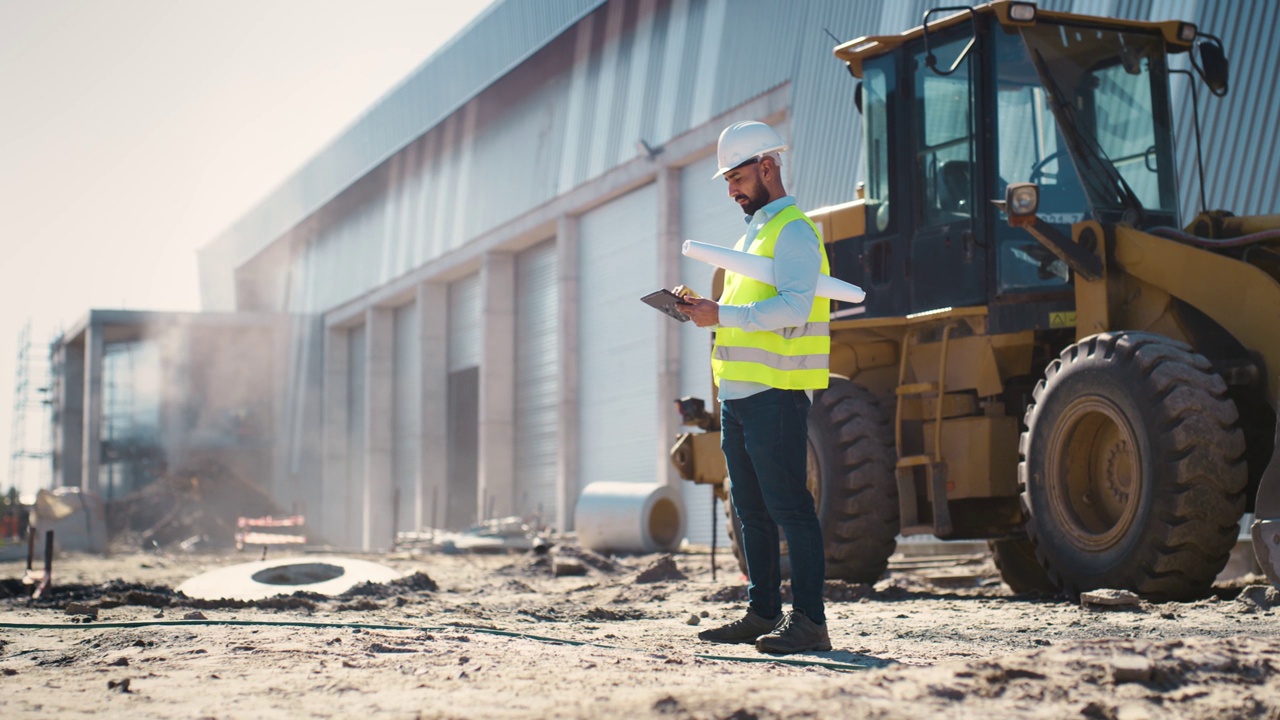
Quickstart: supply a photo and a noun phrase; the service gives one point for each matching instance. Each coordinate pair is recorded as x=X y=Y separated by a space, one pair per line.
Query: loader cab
x=953 y=115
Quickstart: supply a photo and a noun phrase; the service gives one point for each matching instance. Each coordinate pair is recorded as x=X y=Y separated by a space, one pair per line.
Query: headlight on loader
x=1022 y=199
x=1023 y=12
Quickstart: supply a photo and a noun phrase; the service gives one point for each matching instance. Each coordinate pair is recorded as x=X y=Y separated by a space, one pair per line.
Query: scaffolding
x=29 y=444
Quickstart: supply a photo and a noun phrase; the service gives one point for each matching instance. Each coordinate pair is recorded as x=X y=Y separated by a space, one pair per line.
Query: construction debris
x=1109 y=597
x=1130 y=668
x=78 y=518
x=661 y=570
x=198 y=505
x=567 y=567
x=500 y=535
x=79 y=608
x=1259 y=597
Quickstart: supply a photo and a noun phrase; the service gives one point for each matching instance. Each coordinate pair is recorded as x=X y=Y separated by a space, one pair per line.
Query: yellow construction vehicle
x=1045 y=359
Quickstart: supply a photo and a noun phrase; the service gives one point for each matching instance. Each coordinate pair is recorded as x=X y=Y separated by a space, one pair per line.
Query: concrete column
x=378 y=492
x=496 y=487
x=69 y=445
x=433 y=315
x=669 y=240
x=91 y=448
x=567 y=459
x=334 y=497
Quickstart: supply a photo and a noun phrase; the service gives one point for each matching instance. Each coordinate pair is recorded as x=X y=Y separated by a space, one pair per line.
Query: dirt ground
x=500 y=636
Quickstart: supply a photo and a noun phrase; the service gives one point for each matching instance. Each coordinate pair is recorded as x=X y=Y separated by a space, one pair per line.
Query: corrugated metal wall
x=502 y=37
x=1242 y=137
x=648 y=69
x=1241 y=140
x=653 y=69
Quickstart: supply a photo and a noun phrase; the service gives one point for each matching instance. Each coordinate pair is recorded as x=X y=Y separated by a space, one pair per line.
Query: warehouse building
x=461 y=268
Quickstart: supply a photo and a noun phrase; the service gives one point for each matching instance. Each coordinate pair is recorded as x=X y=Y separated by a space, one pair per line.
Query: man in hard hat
x=771 y=352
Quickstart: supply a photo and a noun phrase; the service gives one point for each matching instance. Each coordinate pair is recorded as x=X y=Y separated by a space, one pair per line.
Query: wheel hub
x=1119 y=480
x=1094 y=473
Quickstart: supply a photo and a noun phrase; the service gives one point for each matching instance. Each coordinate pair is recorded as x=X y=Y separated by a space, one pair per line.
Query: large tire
x=1132 y=469
x=850 y=474
x=1015 y=558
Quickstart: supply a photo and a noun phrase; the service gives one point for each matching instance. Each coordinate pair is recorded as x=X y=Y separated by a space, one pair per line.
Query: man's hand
x=703 y=312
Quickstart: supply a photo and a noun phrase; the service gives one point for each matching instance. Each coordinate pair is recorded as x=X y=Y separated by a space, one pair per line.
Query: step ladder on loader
x=935 y=466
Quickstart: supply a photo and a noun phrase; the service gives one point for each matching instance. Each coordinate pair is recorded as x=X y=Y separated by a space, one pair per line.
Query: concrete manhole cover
x=285 y=576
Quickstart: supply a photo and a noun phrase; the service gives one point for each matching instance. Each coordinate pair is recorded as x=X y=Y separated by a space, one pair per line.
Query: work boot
x=746 y=630
x=796 y=633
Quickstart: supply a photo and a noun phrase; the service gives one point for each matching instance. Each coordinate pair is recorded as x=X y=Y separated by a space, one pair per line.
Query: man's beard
x=755 y=201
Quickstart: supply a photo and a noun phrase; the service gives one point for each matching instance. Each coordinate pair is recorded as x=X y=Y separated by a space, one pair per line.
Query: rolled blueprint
x=760 y=268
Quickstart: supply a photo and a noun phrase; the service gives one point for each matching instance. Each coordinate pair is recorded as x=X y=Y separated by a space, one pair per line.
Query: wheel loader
x=1045 y=359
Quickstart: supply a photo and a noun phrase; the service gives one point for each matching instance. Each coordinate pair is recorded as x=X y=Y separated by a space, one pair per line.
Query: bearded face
x=747 y=187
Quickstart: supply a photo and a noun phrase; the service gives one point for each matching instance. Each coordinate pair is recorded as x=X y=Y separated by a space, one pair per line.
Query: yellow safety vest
x=794 y=358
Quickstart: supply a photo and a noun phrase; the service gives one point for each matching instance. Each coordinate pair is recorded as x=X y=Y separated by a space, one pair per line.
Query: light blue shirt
x=797 y=263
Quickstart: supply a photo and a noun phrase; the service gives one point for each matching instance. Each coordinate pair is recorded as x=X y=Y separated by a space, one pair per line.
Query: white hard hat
x=745 y=141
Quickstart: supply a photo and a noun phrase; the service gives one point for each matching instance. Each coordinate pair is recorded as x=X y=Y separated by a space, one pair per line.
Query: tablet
x=666 y=301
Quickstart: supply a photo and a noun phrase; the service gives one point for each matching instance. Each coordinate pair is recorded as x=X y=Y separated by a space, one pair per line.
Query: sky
x=133 y=132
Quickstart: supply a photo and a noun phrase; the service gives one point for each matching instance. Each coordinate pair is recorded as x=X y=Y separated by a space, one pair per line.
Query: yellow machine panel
x=981 y=455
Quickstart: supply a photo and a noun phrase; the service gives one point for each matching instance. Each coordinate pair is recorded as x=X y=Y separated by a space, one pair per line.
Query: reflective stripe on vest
x=794 y=358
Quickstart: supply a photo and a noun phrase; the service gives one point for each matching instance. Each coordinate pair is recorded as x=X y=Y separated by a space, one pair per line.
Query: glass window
x=1126 y=136
x=131 y=394
x=877 y=81
x=944 y=156
x=1030 y=148
x=1109 y=89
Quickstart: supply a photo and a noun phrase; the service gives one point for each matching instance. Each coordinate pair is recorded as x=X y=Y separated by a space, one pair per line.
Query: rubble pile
x=198 y=505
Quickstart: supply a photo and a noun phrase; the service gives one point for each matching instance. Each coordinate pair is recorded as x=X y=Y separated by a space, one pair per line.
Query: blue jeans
x=764 y=439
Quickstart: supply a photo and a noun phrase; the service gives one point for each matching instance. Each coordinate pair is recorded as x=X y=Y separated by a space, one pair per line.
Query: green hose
x=419 y=628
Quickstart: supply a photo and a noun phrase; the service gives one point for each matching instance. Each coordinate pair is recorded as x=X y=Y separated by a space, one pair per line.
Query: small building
x=137 y=395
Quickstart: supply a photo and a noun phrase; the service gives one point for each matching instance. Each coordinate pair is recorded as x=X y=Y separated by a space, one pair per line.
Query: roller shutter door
x=462 y=438
x=706 y=215
x=537 y=386
x=618 y=359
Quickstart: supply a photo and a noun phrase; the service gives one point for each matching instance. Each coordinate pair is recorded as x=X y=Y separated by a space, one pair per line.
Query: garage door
x=617 y=336
x=463 y=404
x=537 y=386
